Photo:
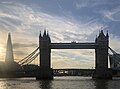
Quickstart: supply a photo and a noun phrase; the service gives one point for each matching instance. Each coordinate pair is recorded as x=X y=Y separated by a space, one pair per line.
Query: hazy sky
x=66 y=21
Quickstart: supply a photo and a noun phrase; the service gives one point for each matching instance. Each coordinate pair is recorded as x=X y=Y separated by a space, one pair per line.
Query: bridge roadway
x=73 y=45
x=73 y=72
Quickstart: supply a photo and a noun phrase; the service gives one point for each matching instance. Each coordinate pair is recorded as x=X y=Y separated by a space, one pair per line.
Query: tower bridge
x=101 y=46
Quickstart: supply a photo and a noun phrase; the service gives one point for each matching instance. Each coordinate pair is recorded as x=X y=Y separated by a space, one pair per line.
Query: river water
x=60 y=83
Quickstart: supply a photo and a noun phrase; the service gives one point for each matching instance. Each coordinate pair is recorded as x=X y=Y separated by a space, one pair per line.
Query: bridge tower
x=101 y=57
x=45 y=71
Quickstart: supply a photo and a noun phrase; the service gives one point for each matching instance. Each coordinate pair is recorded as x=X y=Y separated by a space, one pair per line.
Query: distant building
x=10 y=68
x=9 y=50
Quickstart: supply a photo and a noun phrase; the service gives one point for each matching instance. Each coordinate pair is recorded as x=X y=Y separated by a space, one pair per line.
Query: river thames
x=60 y=83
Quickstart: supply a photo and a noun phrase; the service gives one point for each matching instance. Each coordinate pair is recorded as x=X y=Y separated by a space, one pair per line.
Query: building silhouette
x=9 y=50
x=10 y=68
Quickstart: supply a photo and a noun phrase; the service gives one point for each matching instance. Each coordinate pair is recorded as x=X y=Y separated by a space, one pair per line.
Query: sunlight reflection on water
x=59 y=83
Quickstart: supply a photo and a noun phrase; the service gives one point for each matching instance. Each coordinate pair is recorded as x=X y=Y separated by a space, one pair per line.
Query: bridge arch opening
x=73 y=58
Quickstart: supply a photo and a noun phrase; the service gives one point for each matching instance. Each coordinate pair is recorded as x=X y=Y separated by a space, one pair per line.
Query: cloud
x=113 y=14
x=81 y=5
x=73 y=58
x=29 y=19
x=25 y=23
x=107 y=10
x=70 y=63
x=20 y=45
x=92 y=3
x=19 y=54
x=115 y=43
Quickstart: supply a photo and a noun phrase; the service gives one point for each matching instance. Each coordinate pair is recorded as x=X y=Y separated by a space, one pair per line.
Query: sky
x=65 y=20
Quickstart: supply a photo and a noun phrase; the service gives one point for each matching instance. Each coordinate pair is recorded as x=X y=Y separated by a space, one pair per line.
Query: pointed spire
x=107 y=35
x=40 y=34
x=44 y=34
x=9 y=51
x=48 y=36
x=101 y=32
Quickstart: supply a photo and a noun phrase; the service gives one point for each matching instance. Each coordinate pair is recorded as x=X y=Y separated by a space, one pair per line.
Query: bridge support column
x=44 y=71
x=102 y=74
x=101 y=53
x=44 y=74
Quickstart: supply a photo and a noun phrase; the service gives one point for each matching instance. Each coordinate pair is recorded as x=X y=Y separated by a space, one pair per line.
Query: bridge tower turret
x=45 y=70
x=45 y=51
x=101 y=56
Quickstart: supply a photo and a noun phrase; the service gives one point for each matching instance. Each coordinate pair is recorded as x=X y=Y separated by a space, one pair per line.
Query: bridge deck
x=73 y=45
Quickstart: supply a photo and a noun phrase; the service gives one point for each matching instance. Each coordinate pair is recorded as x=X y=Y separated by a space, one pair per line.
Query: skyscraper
x=9 y=50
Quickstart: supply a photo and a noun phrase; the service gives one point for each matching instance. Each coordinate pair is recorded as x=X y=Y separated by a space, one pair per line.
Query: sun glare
x=1 y=50
x=2 y=53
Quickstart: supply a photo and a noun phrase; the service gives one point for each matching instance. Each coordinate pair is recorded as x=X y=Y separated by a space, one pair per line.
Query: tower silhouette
x=45 y=71
x=45 y=51
x=9 y=50
x=11 y=68
x=101 y=62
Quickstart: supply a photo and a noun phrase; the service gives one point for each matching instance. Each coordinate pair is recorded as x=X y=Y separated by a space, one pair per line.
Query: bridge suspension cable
x=112 y=51
x=29 y=57
x=115 y=56
x=33 y=58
